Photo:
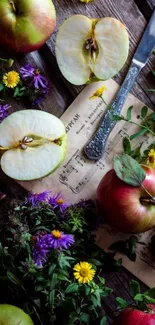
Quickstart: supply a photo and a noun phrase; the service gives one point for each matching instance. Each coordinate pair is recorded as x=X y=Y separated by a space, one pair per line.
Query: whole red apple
x=131 y=316
x=26 y=25
x=129 y=209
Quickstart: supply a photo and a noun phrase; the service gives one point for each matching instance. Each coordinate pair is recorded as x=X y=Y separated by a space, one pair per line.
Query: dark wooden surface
x=134 y=14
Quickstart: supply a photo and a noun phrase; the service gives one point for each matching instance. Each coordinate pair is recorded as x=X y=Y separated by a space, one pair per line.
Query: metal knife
x=94 y=148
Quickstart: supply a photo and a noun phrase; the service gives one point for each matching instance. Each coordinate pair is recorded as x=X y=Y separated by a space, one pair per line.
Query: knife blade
x=94 y=148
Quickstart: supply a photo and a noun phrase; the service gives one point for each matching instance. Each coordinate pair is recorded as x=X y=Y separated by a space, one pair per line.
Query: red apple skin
x=131 y=316
x=26 y=25
x=119 y=203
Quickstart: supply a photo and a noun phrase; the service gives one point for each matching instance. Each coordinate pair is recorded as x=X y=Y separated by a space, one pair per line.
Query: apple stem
x=147 y=200
x=13 y=5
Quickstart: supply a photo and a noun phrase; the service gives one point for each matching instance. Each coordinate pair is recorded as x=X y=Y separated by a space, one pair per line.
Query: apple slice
x=90 y=48
x=33 y=144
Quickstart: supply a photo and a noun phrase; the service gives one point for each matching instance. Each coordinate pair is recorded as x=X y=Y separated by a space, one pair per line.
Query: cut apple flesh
x=33 y=144
x=88 y=47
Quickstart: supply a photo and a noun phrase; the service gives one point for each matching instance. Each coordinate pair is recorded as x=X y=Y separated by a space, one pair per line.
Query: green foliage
x=52 y=288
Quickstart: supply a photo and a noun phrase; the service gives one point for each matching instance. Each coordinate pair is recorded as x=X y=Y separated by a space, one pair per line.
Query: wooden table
x=134 y=14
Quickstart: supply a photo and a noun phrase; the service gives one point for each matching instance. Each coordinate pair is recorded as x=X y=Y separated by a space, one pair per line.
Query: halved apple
x=33 y=144
x=91 y=48
x=12 y=315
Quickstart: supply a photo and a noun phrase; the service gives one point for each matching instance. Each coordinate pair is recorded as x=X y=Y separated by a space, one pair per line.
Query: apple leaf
x=128 y=170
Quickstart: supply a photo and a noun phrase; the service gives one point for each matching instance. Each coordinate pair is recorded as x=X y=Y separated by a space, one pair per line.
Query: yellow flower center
x=56 y=234
x=37 y=71
x=11 y=79
x=151 y=158
x=60 y=201
x=84 y=272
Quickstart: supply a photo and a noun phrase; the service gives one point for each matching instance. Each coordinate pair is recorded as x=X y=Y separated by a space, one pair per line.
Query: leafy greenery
x=51 y=292
x=141 y=301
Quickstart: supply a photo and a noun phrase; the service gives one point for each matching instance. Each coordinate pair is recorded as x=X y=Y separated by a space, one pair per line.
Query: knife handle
x=95 y=146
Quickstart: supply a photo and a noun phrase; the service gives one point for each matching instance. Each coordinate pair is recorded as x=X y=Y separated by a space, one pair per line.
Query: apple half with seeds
x=91 y=49
x=33 y=144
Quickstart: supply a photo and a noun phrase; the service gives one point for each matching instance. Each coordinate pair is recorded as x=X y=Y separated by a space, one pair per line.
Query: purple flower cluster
x=3 y=111
x=47 y=242
x=56 y=201
x=36 y=81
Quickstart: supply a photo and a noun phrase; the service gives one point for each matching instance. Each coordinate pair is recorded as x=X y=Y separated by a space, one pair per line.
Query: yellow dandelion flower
x=11 y=79
x=151 y=158
x=98 y=93
x=83 y=272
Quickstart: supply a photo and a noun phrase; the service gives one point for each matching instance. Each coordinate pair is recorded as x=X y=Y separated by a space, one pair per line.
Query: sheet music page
x=77 y=178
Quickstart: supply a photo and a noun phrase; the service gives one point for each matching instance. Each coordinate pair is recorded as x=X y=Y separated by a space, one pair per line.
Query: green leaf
x=51 y=269
x=128 y=114
x=144 y=111
x=128 y=170
x=116 y=117
x=135 y=287
x=150 y=293
x=53 y=281
x=1 y=86
x=151 y=117
x=84 y=317
x=73 y=287
x=52 y=297
x=139 y=133
x=62 y=277
x=149 y=300
x=152 y=90
x=122 y=303
x=16 y=92
x=102 y=280
x=126 y=145
x=139 y=297
x=103 y=321
x=13 y=278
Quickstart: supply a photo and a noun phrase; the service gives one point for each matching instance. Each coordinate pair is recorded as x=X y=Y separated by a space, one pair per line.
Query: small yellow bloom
x=83 y=272
x=98 y=93
x=151 y=158
x=11 y=79
x=57 y=233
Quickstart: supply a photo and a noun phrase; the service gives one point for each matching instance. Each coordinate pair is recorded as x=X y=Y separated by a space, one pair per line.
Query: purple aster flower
x=57 y=201
x=59 y=240
x=34 y=199
x=33 y=75
x=40 y=251
x=44 y=244
x=3 y=111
